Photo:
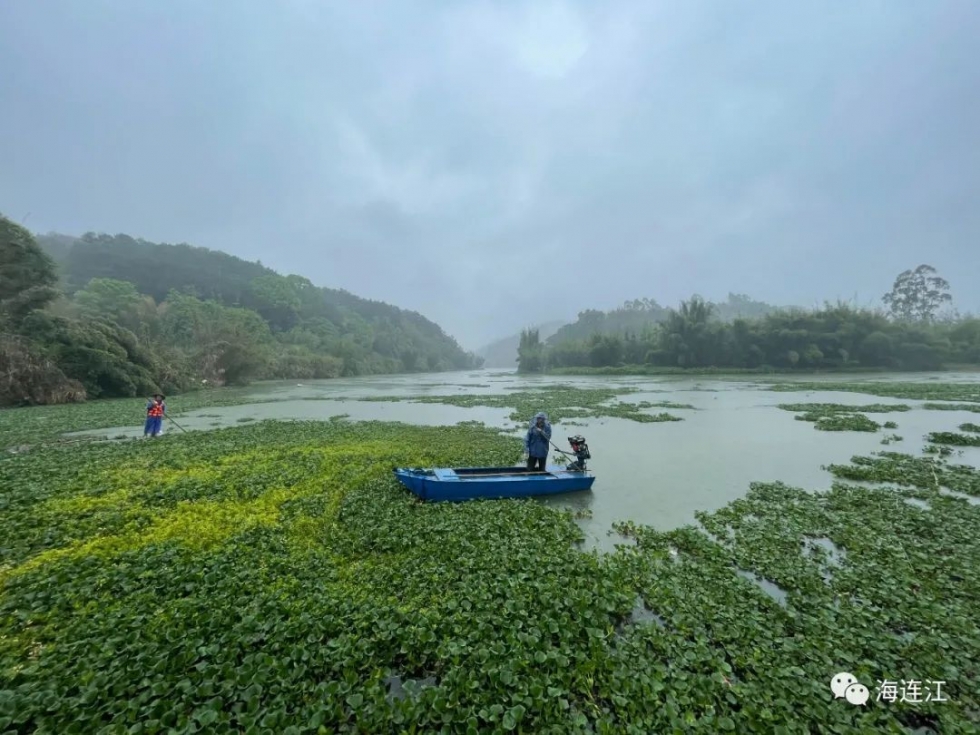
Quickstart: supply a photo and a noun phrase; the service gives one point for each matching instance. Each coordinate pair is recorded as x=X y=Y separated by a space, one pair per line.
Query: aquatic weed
x=664 y=404
x=559 y=402
x=916 y=391
x=951 y=438
x=846 y=422
x=830 y=409
x=840 y=417
x=970 y=407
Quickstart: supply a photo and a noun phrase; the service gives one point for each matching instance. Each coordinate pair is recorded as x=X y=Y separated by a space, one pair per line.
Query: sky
x=498 y=164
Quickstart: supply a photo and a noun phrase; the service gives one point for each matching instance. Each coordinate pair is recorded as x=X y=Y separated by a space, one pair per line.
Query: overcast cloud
x=497 y=164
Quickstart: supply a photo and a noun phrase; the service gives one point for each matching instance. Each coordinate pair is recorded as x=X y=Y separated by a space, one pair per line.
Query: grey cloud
x=496 y=164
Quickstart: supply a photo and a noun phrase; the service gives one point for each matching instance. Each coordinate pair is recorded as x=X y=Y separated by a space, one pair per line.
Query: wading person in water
x=536 y=442
x=156 y=409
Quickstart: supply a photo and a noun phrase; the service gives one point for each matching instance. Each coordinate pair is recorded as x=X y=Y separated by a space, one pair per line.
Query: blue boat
x=472 y=483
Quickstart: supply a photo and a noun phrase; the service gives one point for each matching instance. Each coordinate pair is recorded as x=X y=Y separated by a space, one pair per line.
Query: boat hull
x=474 y=483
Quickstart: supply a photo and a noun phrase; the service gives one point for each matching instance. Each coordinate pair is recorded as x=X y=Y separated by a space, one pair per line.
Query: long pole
x=178 y=425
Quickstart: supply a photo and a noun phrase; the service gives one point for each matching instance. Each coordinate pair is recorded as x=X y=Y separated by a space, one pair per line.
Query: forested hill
x=102 y=316
x=283 y=301
x=638 y=314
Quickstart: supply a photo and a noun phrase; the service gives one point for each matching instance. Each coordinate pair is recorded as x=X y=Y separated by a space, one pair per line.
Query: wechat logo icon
x=846 y=686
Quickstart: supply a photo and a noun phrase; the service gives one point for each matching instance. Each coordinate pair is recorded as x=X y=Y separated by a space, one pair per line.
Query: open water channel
x=656 y=474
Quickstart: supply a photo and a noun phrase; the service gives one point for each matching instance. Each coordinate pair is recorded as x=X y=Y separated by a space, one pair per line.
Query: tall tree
x=530 y=352
x=917 y=295
x=27 y=274
x=686 y=331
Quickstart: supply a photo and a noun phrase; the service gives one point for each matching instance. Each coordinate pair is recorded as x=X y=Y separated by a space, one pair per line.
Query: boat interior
x=473 y=472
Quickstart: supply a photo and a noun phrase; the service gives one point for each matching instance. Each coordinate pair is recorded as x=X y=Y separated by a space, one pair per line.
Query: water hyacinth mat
x=273 y=577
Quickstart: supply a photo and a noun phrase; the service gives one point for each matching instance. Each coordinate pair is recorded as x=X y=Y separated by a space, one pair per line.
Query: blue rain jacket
x=536 y=444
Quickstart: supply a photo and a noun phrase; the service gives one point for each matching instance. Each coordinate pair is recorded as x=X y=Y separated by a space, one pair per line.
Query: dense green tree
x=832 y=337
x=118 y=301
x=27 y=274
x=964 y=339
x=297 y=362
x=27 y=283
x=605 y=349
x=102 y=356
x=227 y=344
x=277 y=299
x=530 y=352
x=686 y=332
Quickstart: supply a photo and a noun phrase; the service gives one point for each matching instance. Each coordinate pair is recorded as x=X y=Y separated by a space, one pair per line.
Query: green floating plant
x=273 y=576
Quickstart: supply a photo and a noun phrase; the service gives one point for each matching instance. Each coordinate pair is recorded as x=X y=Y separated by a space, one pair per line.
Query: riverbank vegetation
x=101 y=316
x=912 y=334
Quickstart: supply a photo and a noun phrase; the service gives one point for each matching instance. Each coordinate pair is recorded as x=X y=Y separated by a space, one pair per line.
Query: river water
x=657 y=474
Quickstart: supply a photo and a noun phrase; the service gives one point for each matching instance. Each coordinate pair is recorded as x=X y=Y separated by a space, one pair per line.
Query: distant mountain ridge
x=502 y=353
x=387 y=338
x=638 y=314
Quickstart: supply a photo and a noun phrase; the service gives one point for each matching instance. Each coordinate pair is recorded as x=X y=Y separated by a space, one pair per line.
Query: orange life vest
x=155 y=411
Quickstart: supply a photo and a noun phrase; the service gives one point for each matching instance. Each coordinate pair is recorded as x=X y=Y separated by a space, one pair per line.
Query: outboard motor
x=581 y=451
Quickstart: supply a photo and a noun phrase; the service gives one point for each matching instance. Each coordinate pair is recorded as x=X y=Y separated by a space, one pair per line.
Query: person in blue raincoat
x=537 y=441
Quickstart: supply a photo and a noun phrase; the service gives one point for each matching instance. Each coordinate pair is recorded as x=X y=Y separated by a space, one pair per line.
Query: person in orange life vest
x=156 y=409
